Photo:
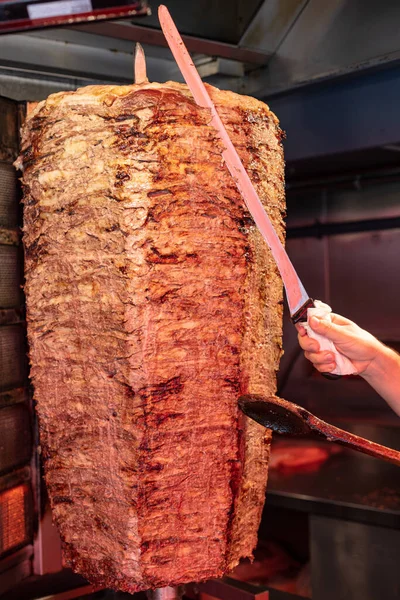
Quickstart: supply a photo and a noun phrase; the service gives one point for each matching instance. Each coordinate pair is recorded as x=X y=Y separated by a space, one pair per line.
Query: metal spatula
x=285 y=417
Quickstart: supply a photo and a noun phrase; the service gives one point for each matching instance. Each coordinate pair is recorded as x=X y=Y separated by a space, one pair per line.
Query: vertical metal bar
x=166 y=593
x=139 y=65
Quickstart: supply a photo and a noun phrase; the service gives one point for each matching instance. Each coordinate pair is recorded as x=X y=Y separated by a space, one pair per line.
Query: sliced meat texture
x=152 y=304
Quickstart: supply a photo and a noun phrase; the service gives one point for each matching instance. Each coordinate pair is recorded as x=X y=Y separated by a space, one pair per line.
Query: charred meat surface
x=152 y=305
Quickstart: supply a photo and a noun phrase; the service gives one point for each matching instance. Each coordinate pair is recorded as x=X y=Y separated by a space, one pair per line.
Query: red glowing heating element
x=13 y=520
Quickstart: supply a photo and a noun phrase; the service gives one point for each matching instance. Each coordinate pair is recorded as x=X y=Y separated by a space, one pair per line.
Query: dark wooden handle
x=345 y=438
x=332 y=376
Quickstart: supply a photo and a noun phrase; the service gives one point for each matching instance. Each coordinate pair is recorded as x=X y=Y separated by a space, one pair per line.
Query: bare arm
x=375 y=362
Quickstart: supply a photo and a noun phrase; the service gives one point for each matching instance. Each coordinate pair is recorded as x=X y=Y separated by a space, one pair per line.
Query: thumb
x=328 y=329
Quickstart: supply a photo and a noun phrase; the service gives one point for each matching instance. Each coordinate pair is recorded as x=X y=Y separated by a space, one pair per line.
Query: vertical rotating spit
x=221 y=589
x=166 y=593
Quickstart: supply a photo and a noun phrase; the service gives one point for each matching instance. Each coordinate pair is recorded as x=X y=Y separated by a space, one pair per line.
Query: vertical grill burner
x=15 y=436
x=15 y=518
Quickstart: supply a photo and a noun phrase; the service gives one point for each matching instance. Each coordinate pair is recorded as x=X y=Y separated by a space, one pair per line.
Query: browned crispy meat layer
x=152 y=305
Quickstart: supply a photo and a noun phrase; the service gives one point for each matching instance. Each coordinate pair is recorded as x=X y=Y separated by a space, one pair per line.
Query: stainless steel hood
x=286 y=51
x=279 y=44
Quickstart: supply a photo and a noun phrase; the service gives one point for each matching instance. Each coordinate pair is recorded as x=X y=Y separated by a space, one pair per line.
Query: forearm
x=383 y=374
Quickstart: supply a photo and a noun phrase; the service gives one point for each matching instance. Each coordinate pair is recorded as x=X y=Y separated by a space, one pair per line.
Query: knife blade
x=297 y=297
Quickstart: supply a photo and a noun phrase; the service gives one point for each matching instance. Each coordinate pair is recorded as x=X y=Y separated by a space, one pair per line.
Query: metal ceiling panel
x=340 y=117
x=222 y=20
x=270 y=25
x=335 y=38
x=74 y=60
x=150 y=36
x=312 y=41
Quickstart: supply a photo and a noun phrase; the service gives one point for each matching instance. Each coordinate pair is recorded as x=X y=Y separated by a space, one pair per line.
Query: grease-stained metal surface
x=348 y=485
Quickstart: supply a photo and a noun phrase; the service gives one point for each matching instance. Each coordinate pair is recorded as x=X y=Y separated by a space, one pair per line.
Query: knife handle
x=300 y=316
x=331 y=376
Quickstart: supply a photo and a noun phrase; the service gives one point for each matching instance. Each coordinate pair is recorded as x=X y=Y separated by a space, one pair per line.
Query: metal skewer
x=139 y=65
x=140 y=76
x=166 y=593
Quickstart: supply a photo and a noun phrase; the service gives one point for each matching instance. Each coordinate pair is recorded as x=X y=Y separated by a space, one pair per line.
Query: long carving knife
x=298 y=300
x=297 y=297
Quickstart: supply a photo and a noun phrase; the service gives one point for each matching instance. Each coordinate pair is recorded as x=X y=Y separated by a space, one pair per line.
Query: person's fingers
x=301 y=329
x=320 y=358
x=307 y=343
x=336 y=333
x=326 y=368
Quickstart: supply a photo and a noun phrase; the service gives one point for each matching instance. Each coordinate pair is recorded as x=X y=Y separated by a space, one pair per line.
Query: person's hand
x=358 y=345
x=378 y=364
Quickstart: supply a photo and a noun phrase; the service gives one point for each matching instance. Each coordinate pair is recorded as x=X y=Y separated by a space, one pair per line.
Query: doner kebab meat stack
x=152 y=304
